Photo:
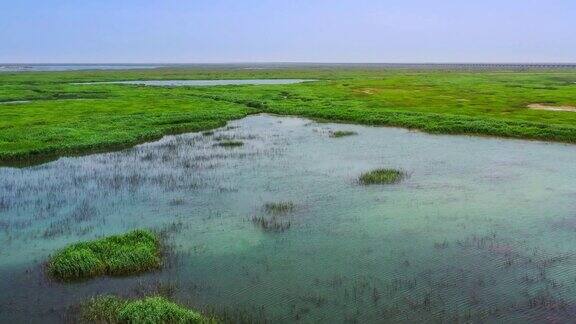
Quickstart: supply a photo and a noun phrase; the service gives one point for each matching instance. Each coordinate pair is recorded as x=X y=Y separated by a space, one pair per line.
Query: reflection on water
x=204 y=83
x=482 y=229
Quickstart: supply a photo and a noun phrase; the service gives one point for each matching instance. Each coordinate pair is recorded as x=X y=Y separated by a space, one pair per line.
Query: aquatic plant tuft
x=338 y=134
x=382 y=176
x=281 y=207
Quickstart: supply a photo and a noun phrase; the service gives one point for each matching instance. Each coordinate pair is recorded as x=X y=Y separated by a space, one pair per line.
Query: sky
x=233 y=31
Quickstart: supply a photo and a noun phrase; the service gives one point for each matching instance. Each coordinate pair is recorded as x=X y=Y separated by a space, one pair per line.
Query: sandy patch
x=552 y=108
x=368 y=91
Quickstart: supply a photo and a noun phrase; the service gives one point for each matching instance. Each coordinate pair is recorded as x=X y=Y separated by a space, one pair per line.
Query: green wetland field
x=48 y=114
x=281 y=197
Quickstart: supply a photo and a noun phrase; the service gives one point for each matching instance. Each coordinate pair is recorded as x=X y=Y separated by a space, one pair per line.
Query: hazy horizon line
x=288 y=62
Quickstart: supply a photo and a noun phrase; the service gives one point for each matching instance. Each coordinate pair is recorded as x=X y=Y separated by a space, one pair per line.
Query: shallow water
x=482 y=229
x=206 y=83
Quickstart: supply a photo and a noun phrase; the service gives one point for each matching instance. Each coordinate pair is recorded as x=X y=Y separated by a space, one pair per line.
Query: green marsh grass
x=131 y=253
x=112 y=116
x=382 y=176
x=151 y=310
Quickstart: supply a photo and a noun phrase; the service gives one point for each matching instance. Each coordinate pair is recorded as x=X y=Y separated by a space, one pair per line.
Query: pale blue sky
x=201 y=31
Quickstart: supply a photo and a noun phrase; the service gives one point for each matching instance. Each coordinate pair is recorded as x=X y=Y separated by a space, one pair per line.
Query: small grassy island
x=112 y=309
x=382 y=176
x=132 y=253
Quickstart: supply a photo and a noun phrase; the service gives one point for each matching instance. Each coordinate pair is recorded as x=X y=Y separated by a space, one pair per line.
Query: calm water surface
x=72 y=67
x=481 y=230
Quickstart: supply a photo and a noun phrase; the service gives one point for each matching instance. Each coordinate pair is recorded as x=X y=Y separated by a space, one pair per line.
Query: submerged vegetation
x=276 y=221
x=153 y=310
x=337 y=134
x=271 y=224
x=132 y=253
x=63 y=117
x=281 y=207
x=382 y=176
x=230 y=143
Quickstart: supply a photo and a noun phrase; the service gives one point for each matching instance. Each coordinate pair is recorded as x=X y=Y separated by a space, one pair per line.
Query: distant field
x=62 y=118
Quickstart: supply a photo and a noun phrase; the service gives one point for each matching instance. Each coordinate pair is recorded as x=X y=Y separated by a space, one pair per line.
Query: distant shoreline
x=41 y=67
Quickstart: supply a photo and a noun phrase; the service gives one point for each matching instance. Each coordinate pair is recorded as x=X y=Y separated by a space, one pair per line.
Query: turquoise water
x=206 y=83
x=482 y=229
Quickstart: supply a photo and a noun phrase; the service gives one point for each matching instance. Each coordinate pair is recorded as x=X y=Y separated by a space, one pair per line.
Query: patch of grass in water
x=230 y=144
x=382 y=176
x=281 y=207
x=273 y=224
x=208 y=133
x=338 y=134
x=131 y=253
x=177 y=202
x=112 y=309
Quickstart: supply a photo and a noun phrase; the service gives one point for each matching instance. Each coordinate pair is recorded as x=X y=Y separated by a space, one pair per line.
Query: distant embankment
x=443 y=66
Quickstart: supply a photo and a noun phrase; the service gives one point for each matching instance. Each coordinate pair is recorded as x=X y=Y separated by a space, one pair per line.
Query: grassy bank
x=51 y=128
x=112 y=309
x=65 y=118
x=132 y=253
